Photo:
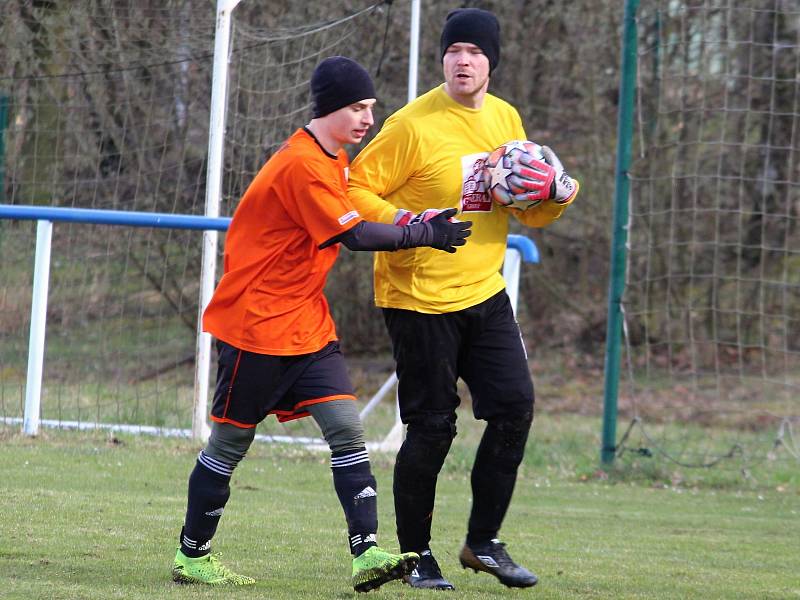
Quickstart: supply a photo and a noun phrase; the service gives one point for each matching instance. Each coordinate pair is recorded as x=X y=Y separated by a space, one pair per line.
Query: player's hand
x=563 y=188
x=447 y=233
x=531 y=179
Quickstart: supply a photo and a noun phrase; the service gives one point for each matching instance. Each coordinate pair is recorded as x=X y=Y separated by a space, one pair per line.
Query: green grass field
x=88 y=515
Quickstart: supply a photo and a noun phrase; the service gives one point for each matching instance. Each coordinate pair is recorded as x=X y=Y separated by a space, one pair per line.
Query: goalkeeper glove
x=406 y=217
x=531 y=179
x=447 y=233
x=435 y=228
x=563 y=188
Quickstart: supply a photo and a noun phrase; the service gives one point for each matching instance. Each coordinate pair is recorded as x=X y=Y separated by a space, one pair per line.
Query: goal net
x=712 y=301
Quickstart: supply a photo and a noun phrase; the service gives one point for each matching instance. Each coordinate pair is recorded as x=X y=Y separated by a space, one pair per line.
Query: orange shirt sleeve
x=318 y=200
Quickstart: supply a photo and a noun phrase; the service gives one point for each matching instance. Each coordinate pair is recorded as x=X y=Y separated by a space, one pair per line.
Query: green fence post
x=616 y=285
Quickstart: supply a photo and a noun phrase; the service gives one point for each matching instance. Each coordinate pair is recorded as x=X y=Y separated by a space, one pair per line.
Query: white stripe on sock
x=348 y=456
x=216 y=461
x=350 y=459
x=214 y=465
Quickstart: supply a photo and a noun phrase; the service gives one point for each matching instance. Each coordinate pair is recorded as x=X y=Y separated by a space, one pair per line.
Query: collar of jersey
x=313 y=137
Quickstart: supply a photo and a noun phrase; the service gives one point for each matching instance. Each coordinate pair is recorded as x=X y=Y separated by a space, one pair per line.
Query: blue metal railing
x=525 y=246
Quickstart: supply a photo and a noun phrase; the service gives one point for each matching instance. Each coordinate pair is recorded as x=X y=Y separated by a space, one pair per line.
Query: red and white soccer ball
x=516 y=175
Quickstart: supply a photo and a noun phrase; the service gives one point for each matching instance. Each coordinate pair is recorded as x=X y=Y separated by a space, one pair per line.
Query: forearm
x=437 y=232
x=369 y=236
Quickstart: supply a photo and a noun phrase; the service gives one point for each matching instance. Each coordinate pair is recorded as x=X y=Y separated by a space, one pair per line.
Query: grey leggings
x=338 y=419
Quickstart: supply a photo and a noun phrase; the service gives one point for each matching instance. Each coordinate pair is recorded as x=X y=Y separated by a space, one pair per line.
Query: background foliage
x=108 y=107
x=93 y=57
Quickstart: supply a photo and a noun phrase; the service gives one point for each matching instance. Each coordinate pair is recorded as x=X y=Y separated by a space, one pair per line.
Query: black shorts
x=481 y=344
x=251 y=386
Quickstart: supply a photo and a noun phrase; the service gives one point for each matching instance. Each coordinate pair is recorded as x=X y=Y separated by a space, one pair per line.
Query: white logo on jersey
x=347 y=217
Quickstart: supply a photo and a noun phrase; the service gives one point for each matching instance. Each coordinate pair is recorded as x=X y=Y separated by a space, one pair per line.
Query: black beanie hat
x=474 y=26
x=338 y=82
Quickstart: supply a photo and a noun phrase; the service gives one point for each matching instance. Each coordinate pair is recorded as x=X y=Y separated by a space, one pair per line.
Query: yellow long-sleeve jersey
x=430 y=154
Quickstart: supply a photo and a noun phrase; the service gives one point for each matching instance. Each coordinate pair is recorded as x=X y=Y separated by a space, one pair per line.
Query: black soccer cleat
x=428 y=575
x=491 y=557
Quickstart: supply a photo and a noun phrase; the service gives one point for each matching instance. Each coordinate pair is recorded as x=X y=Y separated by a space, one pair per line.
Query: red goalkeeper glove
x=532 y=179
x=563 y=188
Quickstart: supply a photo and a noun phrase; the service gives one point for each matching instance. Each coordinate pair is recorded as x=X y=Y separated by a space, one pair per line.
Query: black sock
x=358 y=494
x=494 y=475
x=209 y=491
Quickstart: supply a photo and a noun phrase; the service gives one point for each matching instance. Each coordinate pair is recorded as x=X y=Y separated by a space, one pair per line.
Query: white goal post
x=208 y=269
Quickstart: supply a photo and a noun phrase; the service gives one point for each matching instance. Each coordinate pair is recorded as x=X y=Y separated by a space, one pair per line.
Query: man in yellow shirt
x=452 y=318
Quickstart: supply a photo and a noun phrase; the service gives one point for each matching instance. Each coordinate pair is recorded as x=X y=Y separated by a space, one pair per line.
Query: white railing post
x=216 y=146
x=511 y=267
x=376 y=399
x=41 y=284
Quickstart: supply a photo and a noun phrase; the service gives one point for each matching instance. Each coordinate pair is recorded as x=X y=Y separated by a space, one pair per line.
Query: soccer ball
x=516 y=175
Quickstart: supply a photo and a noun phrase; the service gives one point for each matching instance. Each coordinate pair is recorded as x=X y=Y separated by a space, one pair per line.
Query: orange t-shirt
x=270 y=298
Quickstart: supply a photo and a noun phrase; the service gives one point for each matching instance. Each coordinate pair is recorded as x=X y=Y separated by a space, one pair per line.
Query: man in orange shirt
x=277 y=344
